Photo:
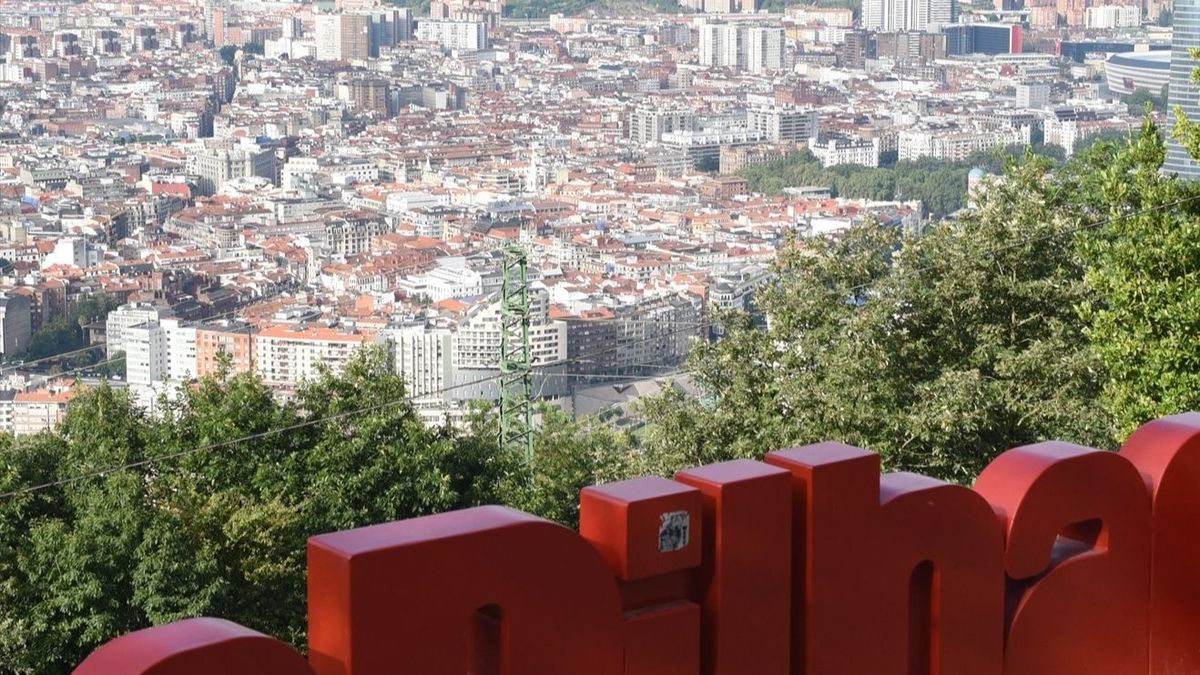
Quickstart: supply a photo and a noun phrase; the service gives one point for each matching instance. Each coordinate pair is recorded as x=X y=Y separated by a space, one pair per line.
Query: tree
x=53 y=338
x=1145 y=320
x=216 y=525
x=1141 y=98
x=940 y=186
x=567 y=459
x=939 y=351
x=67 y=334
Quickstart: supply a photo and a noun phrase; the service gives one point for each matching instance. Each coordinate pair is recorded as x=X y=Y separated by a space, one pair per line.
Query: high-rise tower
x=1183 y=93
x=890 y=16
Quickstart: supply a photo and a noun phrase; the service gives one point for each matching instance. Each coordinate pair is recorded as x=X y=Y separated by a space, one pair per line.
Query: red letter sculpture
x=894 y=576
x=1167 y=453
x=1062 y=561
x=195 y=647
x=488 y=589
x=1077 y=554
x=746 y=574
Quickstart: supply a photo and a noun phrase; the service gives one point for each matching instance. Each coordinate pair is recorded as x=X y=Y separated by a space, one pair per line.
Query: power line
x=83 y=350
x=1046 y=237
x=270 y=432
x=25 y=364
x=707 y=323
x=220 y=444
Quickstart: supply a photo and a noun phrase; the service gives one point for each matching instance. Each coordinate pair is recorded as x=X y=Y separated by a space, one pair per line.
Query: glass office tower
x=1183 y=93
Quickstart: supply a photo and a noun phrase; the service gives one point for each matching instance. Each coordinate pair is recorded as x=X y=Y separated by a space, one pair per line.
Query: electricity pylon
x=516 y=361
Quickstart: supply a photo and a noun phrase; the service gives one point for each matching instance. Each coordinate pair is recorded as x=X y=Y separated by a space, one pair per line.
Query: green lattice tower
x=516 y=382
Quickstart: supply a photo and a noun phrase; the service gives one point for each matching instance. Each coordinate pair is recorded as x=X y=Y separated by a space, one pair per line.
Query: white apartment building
x=1032 y=94
x=837 y=151
x=1069 y=133
x=337 y=170
x=1112 y=16
x=648 y=122
x=216 y=166
x=705 y=146
x=460 y=35
x=721 y=46
x=891 y=16
x=124 y=317
x=422 y=357
x=442 y=283
x=757 y=48
x=405 y=200
x=783 y=124
x=145 y=353
x=956 y=144
x=765 y=49
x=476 y=343
x=288 y=354
x=181 y=349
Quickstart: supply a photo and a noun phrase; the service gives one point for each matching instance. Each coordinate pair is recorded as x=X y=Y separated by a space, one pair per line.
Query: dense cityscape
x=275 y=269
x=282 y=182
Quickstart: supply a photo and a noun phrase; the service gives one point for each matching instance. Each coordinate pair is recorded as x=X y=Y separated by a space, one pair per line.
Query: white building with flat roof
x=458 y=35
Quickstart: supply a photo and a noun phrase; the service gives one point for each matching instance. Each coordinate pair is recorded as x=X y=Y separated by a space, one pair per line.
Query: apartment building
x=456 y=35
x=350 y=232
x=44 y=409
x=422 y=356
x=343 y=37
x=231 y=340
x=145 y=354
x=216 y=166
x=16 y=327
x=444 y=282
x=783 y=123
x=765 y=48
x=956 y=144
x=288 y=354
x=840 y=150
x=649 y=121
x=121 y=319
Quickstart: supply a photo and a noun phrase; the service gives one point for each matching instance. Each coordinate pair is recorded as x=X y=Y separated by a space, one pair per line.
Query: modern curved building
x=1126 y=72
x=1183 y=93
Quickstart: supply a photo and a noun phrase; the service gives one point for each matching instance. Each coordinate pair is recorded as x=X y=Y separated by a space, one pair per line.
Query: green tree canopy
x=1144 y=265
x=219 y=529
x=938 y=350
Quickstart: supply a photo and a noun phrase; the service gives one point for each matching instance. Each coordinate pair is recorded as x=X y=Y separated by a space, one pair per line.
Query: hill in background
x=545 y=8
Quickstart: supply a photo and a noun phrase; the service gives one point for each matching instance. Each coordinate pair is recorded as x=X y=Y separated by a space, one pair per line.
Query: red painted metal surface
x=404 y=597
x=1077 y=556
x=745 y=578
x=1167 y=454
x=624 y=521
x=1060 y=560
x=900 y=573
x=195 y=647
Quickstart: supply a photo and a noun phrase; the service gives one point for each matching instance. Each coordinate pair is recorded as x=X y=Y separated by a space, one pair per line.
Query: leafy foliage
x=220 y=529
x=1140 y=98
x=938 y=350
x=941 y=186
x=64 y=335
x=1144 y=265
